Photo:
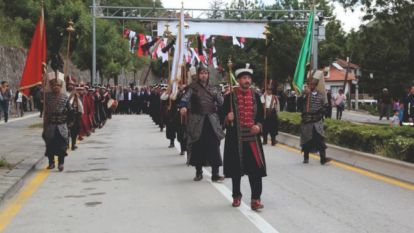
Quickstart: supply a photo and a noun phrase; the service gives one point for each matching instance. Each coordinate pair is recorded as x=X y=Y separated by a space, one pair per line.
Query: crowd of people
x=200 y=115
x=401 y=111
x=14 y=103
x=290 y=101
x=72 y=111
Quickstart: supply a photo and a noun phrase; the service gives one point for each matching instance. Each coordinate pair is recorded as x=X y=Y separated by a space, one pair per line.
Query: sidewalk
x=13 y=118
x=360 y=117
x=22 y=147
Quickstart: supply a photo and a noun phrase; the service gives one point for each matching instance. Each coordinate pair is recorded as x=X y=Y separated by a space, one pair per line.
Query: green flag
x=304 y=57
x=233 y=79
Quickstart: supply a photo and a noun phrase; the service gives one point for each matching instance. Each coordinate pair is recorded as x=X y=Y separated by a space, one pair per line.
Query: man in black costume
x=243 y=150
x=204 y=131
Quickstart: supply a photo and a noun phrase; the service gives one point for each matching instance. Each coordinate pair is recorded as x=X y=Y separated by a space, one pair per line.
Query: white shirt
x=339 y=99
x=164 y=96
x=269 y=102
x=129 y=95
x=19 y=97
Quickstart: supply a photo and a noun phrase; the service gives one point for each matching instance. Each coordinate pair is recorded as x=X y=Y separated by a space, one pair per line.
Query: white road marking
x=251 y=215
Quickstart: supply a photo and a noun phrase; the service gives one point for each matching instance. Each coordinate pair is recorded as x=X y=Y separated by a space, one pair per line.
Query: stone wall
x=11 y=65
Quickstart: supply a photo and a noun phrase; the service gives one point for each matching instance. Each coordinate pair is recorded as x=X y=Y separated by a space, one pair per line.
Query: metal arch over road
x=151 y=14
x=155 y=14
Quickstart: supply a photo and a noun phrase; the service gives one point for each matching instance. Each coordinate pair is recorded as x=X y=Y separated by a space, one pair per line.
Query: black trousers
x=5 y=108
x=183 y=146
x=57 y=147
x=214 y=170
x=255 y=186
x=339 y=111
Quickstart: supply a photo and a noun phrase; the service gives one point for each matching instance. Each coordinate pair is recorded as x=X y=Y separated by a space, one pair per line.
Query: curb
x=14 y=119
x=15 y=179
x=375 y=163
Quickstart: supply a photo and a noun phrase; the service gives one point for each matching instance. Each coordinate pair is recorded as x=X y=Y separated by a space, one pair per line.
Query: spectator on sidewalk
x=340 y=104
x=396 y=105
x=409 y=108
x=5 y=98
x=19 y=104
x=328 y=109
x=385 y=104
x=395 y=120
x=401 y=112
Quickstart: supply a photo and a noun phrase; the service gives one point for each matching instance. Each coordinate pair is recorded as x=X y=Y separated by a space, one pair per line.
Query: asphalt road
x=125 y=179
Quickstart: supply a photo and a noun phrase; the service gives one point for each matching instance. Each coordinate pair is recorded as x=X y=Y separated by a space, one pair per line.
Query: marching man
x=243 y=150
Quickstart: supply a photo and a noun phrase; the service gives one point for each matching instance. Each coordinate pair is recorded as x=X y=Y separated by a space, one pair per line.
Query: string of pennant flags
x=158 y=48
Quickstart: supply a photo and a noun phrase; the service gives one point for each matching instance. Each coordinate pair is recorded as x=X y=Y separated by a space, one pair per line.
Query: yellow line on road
x=363 y=172
x=7 y=215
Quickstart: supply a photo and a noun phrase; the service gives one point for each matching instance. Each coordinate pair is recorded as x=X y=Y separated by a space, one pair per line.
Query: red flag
x=142 y=41
x=32 y=73
x=242 y=41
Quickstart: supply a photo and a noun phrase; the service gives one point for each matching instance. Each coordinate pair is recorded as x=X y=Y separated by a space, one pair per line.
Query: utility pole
x=345 y=82
x=315 y=43
x=93 y=78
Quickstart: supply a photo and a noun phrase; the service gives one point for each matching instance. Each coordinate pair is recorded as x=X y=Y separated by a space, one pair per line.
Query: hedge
x=397 y=143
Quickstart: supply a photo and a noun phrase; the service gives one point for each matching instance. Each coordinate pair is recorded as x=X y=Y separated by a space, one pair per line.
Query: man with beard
x=77 y=107
x=409 y=106
x=312 y=136
x=55 y=130
x=243 y=150
x=204 y=132
x=271 y=122
x=86 y=124
x=180 y=122
x=168 y=108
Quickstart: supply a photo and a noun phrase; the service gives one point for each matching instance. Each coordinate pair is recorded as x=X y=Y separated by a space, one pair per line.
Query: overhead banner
x=242 y=29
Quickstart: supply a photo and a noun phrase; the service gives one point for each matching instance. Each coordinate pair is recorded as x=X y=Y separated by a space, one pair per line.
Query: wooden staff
x=44 y=77
x=230 y=66
x=69 y=29
x=267 y=34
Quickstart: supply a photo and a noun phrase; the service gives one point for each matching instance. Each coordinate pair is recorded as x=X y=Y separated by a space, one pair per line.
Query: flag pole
x=69 y=29
x=230 y=66
x=267 y=34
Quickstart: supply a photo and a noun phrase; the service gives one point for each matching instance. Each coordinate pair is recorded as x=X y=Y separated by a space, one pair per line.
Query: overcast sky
x=349 y=19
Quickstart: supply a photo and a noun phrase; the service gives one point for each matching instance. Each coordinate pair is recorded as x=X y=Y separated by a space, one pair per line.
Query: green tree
x=385 y=46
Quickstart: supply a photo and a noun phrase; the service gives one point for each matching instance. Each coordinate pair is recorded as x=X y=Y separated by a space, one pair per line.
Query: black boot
x=51 y=162
x=264 y=140
x=61 y=162
x=306 y=157
x=171 y=143
x=324 y=159
x=199 y=173
x=215 y=177
x=273 y=141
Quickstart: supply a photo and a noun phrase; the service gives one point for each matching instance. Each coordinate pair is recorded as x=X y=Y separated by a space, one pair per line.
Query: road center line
x=12 y=209
x=251 y=215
